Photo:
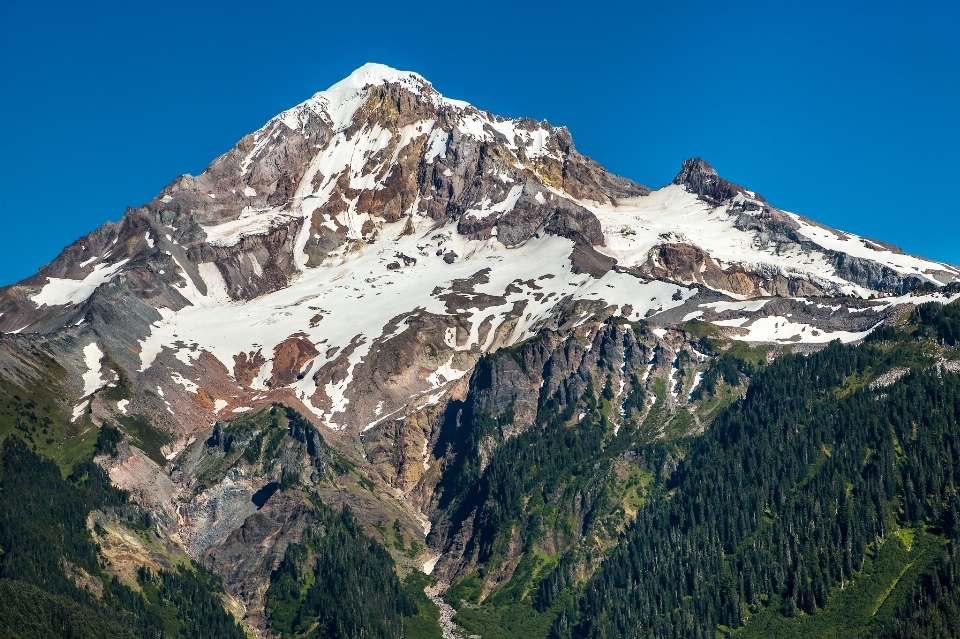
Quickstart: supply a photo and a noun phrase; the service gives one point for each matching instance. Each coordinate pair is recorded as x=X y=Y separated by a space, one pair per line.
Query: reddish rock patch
x=246 y=366
x=289 y=358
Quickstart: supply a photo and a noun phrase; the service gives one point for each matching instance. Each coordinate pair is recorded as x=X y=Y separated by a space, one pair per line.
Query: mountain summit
x=356 y=257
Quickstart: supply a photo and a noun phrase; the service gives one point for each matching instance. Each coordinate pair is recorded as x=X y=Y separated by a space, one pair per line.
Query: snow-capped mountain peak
x=374 y=73
x=339 y=103
x=358 y=254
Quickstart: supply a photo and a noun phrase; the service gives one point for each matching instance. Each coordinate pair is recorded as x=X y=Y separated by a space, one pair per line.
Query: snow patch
x=750 y=306
x=186 y=383
x=250 y=222
x=740 y=321
x=92 y=380
x=79 y=409
x=486 y=208
x=696 y=382
x=444 y=374
x=782 y=330
x=436 y=145
x=430 y=564
x=61 y=292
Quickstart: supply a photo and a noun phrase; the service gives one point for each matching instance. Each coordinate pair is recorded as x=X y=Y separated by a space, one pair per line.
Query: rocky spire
x=697 y=176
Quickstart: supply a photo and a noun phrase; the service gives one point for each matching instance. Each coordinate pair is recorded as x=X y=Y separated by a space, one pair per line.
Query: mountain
x=385 y=299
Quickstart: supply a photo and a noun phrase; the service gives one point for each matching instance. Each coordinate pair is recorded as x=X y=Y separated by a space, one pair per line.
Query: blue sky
x=844 y=112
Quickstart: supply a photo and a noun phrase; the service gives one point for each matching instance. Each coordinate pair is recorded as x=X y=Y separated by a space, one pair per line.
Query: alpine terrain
x=394 y=366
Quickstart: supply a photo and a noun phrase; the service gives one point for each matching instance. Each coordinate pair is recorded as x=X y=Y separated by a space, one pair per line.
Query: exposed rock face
x=269 y=530
x=686 y=263
x=872 y=275
x=514 y=387
x=535 y=209
x=700 y=178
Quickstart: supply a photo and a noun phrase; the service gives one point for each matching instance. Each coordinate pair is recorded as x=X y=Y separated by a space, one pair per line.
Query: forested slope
x=55 y=581
x=52 y=577
x=820 y=502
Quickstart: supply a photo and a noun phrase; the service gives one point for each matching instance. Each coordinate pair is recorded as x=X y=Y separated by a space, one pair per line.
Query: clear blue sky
x=845 y=112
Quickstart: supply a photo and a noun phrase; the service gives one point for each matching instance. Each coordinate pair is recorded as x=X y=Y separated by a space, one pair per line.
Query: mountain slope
x=310 y=249
x=366 y=299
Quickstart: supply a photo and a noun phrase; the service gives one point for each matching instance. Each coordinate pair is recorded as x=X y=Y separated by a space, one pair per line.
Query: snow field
x=359 y=297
